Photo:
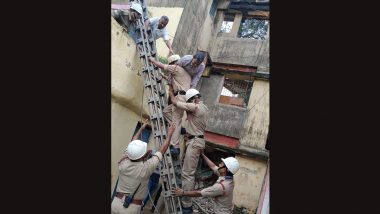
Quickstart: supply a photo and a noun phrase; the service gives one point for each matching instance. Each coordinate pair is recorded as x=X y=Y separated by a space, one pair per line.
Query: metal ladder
x=155 y=93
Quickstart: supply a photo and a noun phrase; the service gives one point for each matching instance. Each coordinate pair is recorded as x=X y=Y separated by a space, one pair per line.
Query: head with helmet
x=135 y=11
x=173 y=59
x=136 y=150
x=192 y=95
x=229 y=166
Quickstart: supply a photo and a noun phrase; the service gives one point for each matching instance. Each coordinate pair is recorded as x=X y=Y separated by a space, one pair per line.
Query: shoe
x=174 y=151
x=187 y=210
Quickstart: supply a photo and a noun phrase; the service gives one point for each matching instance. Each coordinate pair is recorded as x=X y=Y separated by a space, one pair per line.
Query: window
x=253 y=28
x=236 y=92
x=227 y=23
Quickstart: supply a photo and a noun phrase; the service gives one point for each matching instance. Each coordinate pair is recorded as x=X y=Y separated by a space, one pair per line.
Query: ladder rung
x=162 y=92
x=168 y=193
x=147 y=84
x=139 y=41
x=151 y=100
x=143 y=54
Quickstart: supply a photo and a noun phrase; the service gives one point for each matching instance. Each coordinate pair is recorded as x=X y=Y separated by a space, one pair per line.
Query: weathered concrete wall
x=190 y=28
x=256 y=124
x=236 y=25
x=248 y=182
x=210 y=88
x=225 y=119
x=207 y=32
x=249 y=124
x=223 y=4
x=166 y=3
x=241 y=51
x=174 y=15
x=263 y=59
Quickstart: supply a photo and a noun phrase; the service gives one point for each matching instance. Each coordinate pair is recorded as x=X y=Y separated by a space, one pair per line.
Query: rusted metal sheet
x=236 y=101
x=259 y=14
x=240 y=72
x=222 y=140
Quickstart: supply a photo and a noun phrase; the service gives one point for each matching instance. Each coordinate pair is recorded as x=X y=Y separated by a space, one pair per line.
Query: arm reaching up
x=138 y=133
x=208 y=161
x=156 y=63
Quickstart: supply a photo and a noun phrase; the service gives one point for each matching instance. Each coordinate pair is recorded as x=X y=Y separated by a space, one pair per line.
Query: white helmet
x=191 y=93
x=136 y=149
x=137 y=7
x=173 y=58
x=232 y=164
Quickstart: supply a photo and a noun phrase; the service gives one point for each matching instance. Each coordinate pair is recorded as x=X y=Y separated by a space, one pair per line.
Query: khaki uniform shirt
x=195 y=122
x=134 y=173
x=180 y=78
x=222 y=193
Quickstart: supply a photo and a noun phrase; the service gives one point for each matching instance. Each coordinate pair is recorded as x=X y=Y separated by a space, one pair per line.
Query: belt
x=193 y=136
x=179 y=92
x=134 y=201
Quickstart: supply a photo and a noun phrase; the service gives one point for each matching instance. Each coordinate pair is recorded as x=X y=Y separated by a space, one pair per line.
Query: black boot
x=187 y=210
x=174 y=151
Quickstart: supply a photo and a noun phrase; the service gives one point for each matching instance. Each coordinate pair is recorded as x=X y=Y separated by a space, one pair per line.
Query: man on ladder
x=195 y=125
x=180 y=81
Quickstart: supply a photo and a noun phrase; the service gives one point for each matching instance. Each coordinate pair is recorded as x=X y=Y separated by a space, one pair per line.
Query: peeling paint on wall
x=251 y=174
x=256 y=125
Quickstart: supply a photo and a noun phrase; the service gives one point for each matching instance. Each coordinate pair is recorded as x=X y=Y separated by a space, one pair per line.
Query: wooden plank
x=263 y=14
